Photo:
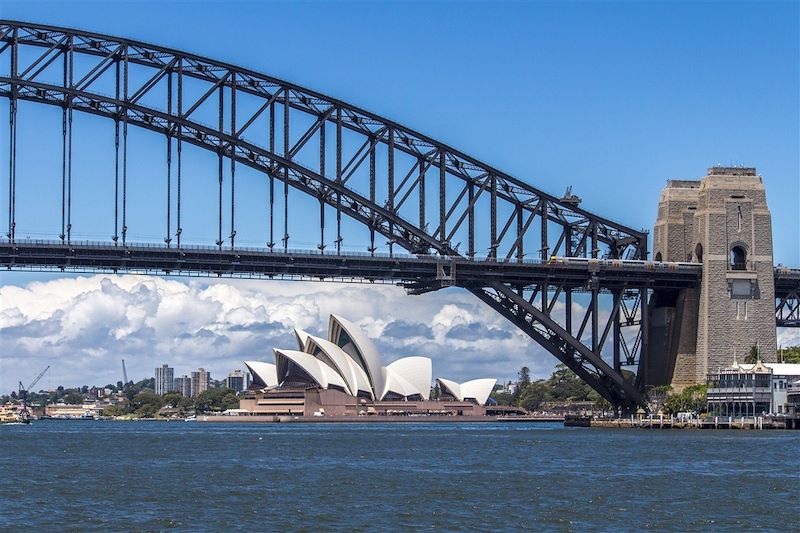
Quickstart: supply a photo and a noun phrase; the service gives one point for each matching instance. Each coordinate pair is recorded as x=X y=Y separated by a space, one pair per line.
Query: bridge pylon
x=722 y=222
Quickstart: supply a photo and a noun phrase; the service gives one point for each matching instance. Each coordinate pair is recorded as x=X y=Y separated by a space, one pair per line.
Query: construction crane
x=124 y=376
x=25 y=415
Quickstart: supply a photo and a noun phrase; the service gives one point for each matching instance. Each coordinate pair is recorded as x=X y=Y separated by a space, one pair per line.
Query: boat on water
x=11 y=416
x=192 y=418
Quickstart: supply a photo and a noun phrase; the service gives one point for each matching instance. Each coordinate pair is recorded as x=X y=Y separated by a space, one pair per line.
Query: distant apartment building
x=236 y=381
x=184 y=385
x=165 y=380
x=200 y=381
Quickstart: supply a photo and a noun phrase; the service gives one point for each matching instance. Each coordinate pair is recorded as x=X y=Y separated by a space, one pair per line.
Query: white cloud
x=83 y=326
x=788 y=337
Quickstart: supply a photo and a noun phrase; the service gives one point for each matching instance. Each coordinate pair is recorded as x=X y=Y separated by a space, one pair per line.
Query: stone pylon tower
x=721 y=221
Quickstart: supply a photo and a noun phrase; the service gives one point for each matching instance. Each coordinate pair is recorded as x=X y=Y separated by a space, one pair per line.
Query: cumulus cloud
x=475 y=331
x=83 y=326
x=401 y=330
x=788 y=337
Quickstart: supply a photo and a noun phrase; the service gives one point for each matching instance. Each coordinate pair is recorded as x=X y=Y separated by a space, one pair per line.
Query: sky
x=612 y=98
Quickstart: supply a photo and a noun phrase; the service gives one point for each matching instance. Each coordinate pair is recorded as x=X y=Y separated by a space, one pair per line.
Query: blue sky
x=612 y=98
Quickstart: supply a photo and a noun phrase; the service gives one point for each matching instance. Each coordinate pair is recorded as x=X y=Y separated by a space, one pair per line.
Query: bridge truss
x=787 y=296
x=461 y=222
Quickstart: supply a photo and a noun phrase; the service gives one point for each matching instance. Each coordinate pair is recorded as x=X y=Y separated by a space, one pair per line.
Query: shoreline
x=664 y=422
x=268 y=419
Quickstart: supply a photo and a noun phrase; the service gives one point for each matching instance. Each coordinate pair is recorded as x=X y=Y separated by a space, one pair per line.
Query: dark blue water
x=149 y=476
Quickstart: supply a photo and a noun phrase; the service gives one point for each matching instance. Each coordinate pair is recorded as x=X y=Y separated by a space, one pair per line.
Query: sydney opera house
x=344 y=375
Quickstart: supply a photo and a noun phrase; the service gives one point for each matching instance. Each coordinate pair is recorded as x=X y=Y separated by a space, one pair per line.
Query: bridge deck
x=249 y=263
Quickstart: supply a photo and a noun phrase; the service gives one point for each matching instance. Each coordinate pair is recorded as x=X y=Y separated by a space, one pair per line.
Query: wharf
x=713 y=422
x=530 y=418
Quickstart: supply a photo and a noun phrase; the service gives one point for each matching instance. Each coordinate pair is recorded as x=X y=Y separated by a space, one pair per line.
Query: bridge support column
x=721 y=221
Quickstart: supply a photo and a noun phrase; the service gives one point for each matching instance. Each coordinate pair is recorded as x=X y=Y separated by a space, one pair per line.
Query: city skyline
x=614 y=115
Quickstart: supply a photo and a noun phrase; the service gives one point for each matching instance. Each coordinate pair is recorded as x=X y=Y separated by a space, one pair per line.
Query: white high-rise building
x=165 y=380
x=236 y=381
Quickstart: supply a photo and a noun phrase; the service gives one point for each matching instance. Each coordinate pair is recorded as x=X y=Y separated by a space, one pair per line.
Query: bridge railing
x=566 y=261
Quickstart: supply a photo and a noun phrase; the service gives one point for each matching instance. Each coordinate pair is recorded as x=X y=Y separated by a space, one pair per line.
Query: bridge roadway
x=381 y=268
x=418 y=273
x=787 y=281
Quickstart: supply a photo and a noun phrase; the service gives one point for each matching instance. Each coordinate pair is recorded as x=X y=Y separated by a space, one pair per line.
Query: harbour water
x=149 y=476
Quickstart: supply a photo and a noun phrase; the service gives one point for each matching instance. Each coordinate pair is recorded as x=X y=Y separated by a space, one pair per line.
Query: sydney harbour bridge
x=577 y=283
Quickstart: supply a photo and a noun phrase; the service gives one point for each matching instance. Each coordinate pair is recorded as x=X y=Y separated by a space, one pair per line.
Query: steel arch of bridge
x=468 y=190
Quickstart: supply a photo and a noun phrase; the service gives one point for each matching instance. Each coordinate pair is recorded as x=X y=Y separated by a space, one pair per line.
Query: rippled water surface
x=150 y=476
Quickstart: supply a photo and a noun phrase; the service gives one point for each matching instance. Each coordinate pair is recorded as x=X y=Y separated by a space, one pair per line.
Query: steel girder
x=587 y=363
x=417 y=273
x=787 y=297
x=464 y=184
x=788 y=311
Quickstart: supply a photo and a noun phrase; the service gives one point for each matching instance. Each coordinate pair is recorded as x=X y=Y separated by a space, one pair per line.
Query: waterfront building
x=200 y=381
x=751 y=389
x=184 y=385
x=236 y=380
x=344 y=374
x=165 y=380
x=793 y=398
x=83 y=410
x=349 y=361
x=783 y=377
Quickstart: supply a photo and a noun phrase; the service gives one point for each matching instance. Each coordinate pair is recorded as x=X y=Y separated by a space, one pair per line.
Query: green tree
x=146 y=404
x=752 y=356
x=185 y=404
x=790 y=354
x=657 y=396
x=691 y=399
x=73 y=397
x=565 y=385
x=524 y=377
x=523 y=381
x=112 y=410
x=502 y=398
x=148 y=383
x=216 y=400
x=171 y=399
x=534 y=395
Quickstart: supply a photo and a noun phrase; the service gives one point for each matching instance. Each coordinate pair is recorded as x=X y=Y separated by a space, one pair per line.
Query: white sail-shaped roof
x=352 y=373
x=360 y=347
x=409 y=376
x=324 y=375
x=349 y=360
x=397 y=384
x=477 y=389
x=264 y=374
x=302 y=339
x=451 y=387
